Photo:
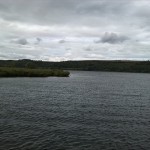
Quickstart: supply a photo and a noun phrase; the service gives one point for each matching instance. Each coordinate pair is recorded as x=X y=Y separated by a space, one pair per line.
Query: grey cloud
x=88 y=48
x=72 y=12
x=38 y=40
x=22 y=41
x=62 y=41
x=62 y=12
x=97 y=41
x=104 y=7
x=112 y=38
x=68 y=49
x=37 y=11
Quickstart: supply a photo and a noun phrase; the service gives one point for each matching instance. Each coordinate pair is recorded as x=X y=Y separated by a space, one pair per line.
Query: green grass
x=23 y=72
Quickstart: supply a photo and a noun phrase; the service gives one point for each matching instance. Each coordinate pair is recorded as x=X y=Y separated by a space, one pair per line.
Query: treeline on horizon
x=87 y=65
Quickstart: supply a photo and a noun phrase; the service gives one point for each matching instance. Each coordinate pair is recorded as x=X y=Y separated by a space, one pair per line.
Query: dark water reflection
x=88 y=111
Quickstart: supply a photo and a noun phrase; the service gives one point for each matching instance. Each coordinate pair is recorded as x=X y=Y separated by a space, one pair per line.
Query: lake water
x=87 y=111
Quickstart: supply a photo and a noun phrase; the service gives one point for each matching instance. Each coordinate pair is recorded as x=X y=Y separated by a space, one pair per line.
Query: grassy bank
x=23 y=72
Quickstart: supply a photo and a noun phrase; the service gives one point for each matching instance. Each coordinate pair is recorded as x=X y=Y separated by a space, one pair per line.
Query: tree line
x=87 y=65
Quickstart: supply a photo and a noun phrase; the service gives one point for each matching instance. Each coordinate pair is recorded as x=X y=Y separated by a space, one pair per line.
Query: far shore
x=84 y=65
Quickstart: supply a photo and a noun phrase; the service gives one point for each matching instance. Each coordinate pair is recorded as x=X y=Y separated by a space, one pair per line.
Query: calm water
x=87 y=111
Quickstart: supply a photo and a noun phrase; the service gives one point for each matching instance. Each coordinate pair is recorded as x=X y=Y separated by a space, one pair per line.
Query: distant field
x=23 y=72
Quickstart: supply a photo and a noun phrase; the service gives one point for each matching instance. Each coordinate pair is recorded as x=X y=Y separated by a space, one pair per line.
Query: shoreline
x=24 y=72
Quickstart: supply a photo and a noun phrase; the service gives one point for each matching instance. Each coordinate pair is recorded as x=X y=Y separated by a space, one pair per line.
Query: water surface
x=87 y=111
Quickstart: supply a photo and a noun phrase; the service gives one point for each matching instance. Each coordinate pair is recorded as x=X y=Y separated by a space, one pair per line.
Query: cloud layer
x=74 y=29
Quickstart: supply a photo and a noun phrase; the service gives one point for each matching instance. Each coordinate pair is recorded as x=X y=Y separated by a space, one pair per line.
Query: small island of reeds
x=24 y=72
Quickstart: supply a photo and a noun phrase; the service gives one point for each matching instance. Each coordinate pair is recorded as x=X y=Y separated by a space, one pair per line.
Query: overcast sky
x=56 y=30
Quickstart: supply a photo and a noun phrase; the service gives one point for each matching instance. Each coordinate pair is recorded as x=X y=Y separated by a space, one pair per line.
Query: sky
x=60 y=30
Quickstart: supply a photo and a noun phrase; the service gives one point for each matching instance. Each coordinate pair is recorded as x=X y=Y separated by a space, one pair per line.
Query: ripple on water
x=89 y=110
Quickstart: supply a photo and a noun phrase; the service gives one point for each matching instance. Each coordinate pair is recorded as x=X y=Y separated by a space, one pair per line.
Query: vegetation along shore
x=26 y=72
x=87 y=65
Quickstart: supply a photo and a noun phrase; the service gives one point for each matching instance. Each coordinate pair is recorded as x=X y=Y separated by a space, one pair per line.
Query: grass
x=23 y=72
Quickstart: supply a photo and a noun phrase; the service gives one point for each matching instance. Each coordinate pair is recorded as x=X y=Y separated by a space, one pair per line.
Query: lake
x=87 y=111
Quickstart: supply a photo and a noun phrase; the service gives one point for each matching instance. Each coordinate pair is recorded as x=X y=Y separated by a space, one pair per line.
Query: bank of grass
x=23 y=72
